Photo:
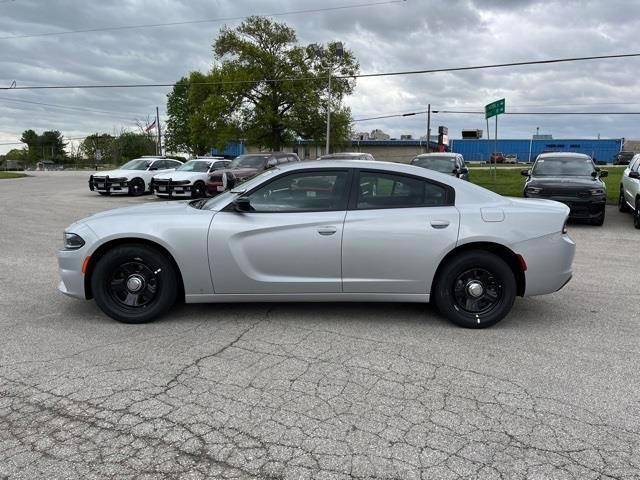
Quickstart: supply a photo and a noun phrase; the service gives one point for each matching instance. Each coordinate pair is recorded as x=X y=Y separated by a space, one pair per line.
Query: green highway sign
x=494 y=108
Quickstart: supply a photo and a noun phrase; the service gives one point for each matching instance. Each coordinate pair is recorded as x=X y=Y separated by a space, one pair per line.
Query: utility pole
x=159 y=146
x=328 y=117
x=429 y=128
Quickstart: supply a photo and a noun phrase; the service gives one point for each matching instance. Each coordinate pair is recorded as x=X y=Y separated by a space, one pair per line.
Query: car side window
x=636 y=166
x=173 y=164
x=157 y=165
x=383 y=190
x=218 y=165
x=302 y=192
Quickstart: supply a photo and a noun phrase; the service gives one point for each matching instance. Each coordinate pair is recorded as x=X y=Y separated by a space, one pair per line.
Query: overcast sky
x=408 y=35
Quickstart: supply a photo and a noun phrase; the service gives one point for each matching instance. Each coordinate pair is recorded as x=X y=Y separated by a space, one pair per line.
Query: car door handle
x=439 y=224
x=327 y=230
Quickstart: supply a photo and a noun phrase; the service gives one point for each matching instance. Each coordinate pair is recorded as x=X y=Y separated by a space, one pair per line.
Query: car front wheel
x=136 y=187
x=475 y=289
x=198 y=190
x=134 y=283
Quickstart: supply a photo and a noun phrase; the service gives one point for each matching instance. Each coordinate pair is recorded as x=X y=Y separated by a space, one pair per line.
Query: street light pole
x=429 y=128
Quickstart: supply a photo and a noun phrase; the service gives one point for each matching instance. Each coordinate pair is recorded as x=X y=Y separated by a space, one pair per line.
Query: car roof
x=438 y=154
x=346 y=154
x=564 y=155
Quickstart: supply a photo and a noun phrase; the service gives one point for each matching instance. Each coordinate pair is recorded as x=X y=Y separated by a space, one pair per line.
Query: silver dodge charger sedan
x=343 y=230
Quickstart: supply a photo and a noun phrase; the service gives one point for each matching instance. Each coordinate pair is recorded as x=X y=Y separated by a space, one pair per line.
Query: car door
x=631 y=186
x=289 y=241
x=397 y=229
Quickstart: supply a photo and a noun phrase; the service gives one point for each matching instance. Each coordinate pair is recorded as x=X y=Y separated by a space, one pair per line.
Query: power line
x=361 y=75
x=67 y=107
x=210 y=20
x=537 y=113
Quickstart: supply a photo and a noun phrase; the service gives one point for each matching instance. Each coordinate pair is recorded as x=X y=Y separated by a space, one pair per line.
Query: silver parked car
x=629 y=200
x=324 y=231
x=444 y=162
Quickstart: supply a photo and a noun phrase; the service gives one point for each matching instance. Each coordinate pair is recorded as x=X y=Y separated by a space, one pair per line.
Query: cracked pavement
x=311 y=391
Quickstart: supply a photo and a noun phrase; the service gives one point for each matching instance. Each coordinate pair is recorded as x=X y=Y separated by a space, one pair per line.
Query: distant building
x=406 y=137
x=361 y=136
x=601 y=150
x=378 y=134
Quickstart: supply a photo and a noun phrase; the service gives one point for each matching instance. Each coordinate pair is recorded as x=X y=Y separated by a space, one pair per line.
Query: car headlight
x=534 y=190
x=596 y=191
x=72 y=241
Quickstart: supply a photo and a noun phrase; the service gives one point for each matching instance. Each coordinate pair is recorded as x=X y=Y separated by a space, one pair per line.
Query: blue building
x=603 y=150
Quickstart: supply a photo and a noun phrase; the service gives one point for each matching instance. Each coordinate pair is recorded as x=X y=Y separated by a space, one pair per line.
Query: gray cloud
x=412 y=35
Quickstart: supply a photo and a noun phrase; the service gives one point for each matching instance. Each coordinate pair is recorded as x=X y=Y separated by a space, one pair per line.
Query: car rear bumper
x=549 y=262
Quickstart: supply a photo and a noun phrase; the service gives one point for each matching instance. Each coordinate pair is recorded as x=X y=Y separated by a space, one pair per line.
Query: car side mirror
x=604 y=173
x=525 y=172
x=635 y=175
x=242 y=204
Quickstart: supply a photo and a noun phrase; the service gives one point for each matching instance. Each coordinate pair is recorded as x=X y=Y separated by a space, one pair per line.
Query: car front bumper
x=580 y=208
x=108 y=185
x=171 y=190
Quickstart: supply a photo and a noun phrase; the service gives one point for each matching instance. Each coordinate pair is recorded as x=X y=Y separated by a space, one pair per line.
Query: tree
x=48 y=146
x=16 y=154
x=98 y=142
x=130 y=145
x=263 y=88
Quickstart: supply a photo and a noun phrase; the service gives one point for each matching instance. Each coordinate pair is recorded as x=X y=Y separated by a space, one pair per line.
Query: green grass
x=510 y=182
x=11 y=175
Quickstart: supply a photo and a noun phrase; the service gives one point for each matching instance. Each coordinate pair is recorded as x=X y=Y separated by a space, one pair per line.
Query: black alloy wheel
x=475 y=289
x=136 y=187
x=134 y=283
x=198 y=190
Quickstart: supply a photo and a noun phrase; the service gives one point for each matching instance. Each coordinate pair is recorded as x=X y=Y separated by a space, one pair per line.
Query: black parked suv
x=570 y=178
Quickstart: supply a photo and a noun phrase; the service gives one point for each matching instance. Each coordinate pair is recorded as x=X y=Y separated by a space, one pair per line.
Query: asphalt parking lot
x=298 y=391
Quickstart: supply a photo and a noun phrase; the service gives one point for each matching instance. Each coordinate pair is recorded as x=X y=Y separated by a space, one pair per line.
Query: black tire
x=476 y=266
x=599 y=220
x=156 y=292
x=136 y=187
x=622 y=204
x=105 y=193
x=636 y=214
x=198 y=190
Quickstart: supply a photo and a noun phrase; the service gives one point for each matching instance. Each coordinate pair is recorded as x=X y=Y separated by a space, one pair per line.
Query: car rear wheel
x=136 y=187
x=134 y=283
x=475 y=289
x=636 y=215
x=198 y=190
x=622 y=204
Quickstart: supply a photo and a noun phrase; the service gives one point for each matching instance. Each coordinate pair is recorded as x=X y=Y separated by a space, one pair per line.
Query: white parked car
x=629 y=199
x=189 y=179
x=330 y=231
x=133 y=178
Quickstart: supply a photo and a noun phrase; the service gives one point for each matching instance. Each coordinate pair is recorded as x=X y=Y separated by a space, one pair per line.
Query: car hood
x=179 y=175
x=566 y=182
x=117 y=173
x=238 y=172
x=145 y=209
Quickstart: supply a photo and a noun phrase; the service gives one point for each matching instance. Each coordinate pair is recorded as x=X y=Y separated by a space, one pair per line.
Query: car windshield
x=569 y=166
x=222 y=199
x=137 y=164
x=249 y=161
x=195 y=166
x=439 y=164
